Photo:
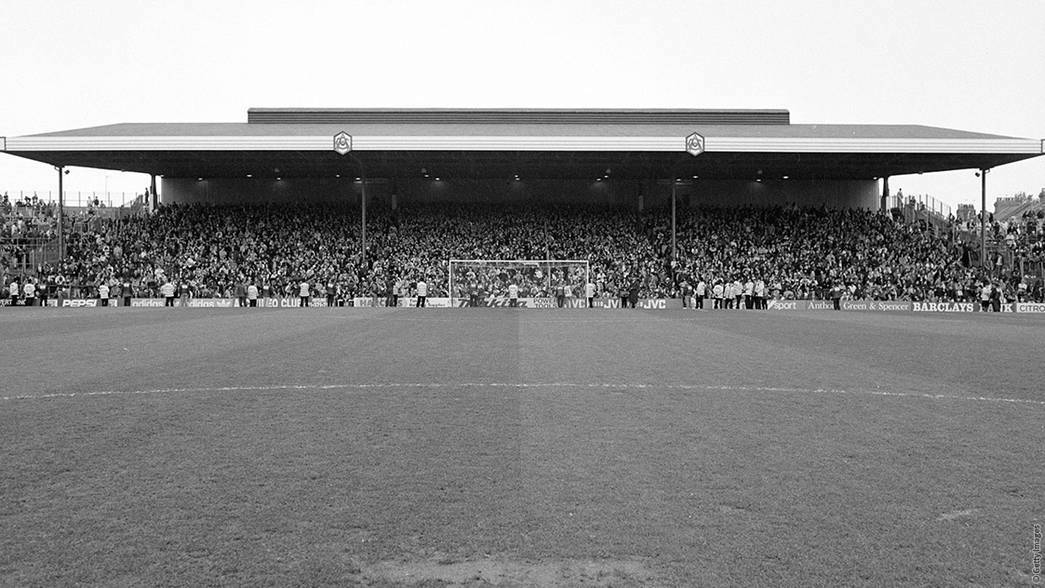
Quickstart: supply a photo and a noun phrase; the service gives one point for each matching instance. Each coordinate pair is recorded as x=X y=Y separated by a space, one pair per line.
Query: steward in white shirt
x=513 y=295
x=702 y=290
x=30 y=292
x=422 y=294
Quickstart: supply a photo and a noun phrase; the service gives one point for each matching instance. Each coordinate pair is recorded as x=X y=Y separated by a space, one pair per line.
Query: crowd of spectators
x=784 y=252
x=803 y=253
x=24 y=222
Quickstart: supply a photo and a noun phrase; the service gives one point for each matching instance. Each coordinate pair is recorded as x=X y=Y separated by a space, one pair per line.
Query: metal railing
x=76 y=198
x=921 y=207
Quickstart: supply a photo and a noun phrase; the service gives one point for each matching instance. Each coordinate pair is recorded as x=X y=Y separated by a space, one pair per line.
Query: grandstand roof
x=538 y=143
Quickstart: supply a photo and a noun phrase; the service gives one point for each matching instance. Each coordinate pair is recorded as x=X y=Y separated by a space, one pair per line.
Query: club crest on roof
x=694 y=144
x=342 y=143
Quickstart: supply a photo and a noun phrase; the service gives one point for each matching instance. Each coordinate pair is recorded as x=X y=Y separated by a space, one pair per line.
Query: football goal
x=490 y=279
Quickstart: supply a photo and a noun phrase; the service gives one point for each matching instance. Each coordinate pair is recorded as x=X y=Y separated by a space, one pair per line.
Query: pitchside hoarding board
x=803 y=305
x=956 y=307
x=876 y=305
x=598 y=303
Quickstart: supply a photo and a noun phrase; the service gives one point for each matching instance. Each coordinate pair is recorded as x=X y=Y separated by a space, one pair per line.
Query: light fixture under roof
x=437 y=179
x=787 y=177
x=358 y=179
x=199 y=179
x=337 y=175
x=279 y=179
x=250 y=175
x=695 y=177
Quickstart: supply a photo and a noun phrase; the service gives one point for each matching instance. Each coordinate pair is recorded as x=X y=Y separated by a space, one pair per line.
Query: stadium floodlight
x=534 y=278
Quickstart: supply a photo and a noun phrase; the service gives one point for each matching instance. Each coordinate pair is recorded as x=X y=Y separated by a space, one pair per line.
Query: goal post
x=534 y=278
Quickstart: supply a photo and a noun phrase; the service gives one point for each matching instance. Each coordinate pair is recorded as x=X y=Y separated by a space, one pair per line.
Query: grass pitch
x=518 y=447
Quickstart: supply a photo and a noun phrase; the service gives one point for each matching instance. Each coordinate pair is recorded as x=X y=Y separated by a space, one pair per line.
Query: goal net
x=535 y=278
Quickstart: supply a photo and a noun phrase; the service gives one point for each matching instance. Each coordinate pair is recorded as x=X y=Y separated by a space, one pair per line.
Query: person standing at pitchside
x=422 y=293
x=513 y=295
x=241 y=294
x=14 y=290
x=30 y=292
x=304 y=292
x=167 y=291
x=252 y=294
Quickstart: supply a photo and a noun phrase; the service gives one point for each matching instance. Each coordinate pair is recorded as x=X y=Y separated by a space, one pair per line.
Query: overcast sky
x=977 y=66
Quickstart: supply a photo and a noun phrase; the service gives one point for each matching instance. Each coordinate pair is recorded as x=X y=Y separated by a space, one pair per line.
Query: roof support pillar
x=674 y=195
x=983 y=217
x=61 y=212
x=884 y=207
x=153 y=198
x=362 y=215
